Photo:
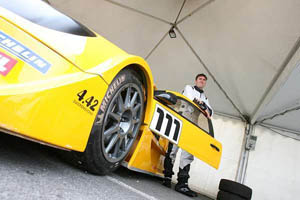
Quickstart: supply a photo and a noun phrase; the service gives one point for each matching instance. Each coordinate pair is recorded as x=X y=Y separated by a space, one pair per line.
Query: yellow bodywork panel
x=40 y=99
x=149 y=153
x=186 y=135
x=43 y=105
x=201 y=145
x=94 y=55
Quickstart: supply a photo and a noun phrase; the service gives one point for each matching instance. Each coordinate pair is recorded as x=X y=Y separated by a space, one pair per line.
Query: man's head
x=200 y=81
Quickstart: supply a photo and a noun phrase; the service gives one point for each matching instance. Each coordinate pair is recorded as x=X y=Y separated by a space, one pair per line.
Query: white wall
x=205 y=179
x=273 y=168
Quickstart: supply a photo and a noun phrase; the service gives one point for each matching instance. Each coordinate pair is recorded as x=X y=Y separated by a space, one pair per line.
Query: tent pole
x=242 y=169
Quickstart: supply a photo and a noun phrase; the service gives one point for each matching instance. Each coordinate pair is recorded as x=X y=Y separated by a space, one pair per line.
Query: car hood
x=83 y=52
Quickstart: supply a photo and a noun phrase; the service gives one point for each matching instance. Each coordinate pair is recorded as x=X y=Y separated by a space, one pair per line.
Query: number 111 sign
x=166 y=124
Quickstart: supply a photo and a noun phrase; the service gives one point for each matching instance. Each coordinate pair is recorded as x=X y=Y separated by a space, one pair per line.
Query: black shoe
x=167 y=182
x=184 y=189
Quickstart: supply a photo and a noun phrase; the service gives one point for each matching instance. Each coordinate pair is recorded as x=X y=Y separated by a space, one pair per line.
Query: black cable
x=179 y=12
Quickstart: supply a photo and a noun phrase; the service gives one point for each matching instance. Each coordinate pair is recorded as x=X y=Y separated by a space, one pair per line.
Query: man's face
x=200 y=82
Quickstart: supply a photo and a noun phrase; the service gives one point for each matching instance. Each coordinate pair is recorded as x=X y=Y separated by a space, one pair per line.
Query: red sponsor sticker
x=6 y=64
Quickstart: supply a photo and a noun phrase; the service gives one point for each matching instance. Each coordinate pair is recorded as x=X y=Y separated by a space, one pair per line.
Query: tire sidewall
x=235 y=188
x=94 y=147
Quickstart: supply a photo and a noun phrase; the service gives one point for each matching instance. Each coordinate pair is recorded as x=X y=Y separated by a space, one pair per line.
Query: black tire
x=116 y=125
x=228 y=196
x=235 y=188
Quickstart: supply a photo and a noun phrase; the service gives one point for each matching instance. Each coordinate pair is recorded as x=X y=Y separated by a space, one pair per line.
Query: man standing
x=196 y=94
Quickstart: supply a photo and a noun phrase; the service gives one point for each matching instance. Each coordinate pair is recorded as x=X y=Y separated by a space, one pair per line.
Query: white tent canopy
x=249 y=47
x=250 y=52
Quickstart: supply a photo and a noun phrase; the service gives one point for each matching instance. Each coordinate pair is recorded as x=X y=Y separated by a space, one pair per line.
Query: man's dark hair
x=198 y=75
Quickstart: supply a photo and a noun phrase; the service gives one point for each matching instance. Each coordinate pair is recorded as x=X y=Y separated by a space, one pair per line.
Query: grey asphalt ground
x=32 y=171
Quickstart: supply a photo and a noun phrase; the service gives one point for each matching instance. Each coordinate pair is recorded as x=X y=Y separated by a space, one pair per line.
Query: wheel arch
x=143 y=71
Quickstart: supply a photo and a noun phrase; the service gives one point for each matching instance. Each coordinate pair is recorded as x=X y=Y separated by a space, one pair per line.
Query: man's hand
x=198 y=100
x=202 y=105
x=207 y=113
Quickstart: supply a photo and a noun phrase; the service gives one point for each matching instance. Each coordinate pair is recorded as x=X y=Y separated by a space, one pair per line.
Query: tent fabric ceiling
x=166 y=55
x=287 y=96
x=243 y=44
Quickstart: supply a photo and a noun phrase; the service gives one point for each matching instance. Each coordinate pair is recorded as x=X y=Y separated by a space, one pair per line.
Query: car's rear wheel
x=117 y=124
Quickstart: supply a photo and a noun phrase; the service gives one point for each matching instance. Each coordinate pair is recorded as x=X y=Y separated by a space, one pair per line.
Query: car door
x=183 y=123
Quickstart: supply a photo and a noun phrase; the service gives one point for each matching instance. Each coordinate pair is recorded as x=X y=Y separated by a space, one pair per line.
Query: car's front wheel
x=117 y=124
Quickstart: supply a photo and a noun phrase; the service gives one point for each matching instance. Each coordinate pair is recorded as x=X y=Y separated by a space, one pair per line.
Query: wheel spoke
x=127 y=99
x=136 y=108
x=120 y=103
x=111 y=130
x=112 y=143
x=135 y=121
x=125 y=141
x=130 y=131
x=115 y=116
x=122 y=144
x=133 y=99
x=121 y=122
x=128 y=142
x=117 y=148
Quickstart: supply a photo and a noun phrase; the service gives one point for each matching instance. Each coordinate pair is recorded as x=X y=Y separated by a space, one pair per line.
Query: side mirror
x=166 y=97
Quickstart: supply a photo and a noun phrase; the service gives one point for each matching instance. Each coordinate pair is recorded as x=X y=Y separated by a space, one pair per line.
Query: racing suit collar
x=198 y=89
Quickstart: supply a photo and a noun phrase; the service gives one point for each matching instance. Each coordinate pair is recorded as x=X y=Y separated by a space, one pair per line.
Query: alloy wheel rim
x=121 y=122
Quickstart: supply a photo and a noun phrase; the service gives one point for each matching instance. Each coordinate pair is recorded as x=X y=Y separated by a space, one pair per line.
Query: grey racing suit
x=186 y=158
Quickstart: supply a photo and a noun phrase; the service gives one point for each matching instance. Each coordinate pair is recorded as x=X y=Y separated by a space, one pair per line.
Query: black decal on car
x=166 y=124
x=160 y=119
x=86 y=102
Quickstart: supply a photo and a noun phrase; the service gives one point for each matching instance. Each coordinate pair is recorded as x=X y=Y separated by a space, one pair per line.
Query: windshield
x=192 y=113
x=43 y=14
x=186 y=109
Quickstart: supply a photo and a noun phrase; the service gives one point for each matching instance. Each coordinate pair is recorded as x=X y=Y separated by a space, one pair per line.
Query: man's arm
x=210 y=110
x=189 y=93
x=203 y=106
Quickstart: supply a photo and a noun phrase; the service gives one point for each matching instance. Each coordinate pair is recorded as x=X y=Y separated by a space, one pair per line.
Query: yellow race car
x=65 y=86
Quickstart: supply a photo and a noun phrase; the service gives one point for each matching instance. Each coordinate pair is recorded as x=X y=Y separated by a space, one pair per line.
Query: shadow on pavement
x=36 y=159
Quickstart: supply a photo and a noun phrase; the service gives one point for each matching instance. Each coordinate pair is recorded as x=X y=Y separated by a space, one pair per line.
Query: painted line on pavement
x=147 y=196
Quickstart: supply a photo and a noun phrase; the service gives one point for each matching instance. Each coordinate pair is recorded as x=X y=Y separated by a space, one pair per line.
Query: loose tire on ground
x=235 y=188
x=222 y=195
x=116 y=125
